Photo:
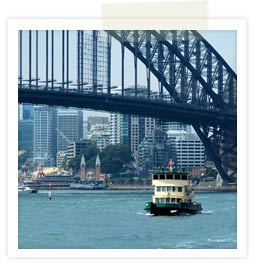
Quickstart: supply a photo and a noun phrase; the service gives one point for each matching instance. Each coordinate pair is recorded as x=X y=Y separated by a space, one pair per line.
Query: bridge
x=195 y=84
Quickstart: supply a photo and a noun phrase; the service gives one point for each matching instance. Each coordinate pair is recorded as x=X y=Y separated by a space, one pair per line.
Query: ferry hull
x=172 y=208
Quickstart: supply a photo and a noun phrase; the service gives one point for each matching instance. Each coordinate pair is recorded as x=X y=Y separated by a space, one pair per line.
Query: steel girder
x=190 y=70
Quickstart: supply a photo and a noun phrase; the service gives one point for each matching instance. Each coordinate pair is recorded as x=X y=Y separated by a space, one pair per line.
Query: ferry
x=173 y=194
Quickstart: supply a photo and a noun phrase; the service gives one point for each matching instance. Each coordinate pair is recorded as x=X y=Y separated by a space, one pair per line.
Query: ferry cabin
x=172 y=188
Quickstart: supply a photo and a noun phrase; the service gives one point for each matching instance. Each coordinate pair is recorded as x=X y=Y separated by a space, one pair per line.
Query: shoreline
x=149 y=187
x=198 y=189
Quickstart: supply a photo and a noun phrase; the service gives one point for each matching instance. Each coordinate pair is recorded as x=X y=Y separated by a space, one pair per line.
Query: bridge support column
x=52 y=60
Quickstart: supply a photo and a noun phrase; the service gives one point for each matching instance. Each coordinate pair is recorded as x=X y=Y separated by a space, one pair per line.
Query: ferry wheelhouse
x=173 y=194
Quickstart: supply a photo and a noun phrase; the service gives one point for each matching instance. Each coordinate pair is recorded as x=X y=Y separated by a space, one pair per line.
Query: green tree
x=89 y=153
x=115 y=158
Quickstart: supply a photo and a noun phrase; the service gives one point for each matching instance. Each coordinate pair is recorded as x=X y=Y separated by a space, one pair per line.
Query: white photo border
x=102 y=24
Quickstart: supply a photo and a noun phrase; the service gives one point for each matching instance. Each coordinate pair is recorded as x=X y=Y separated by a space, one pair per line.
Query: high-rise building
x=44 y=149
x=26 y=134
x=25 y=111
x=153 y=151
x=137 y=133
x=69 y=127
x=188 y=150
x=130 y=130
x=115 y=128
x=149 y=125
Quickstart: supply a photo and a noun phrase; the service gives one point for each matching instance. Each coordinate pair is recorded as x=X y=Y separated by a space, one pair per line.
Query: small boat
x=24 y=189
x=173 y=194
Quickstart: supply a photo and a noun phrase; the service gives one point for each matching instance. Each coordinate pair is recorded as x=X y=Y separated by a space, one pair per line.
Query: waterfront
x=116 y=219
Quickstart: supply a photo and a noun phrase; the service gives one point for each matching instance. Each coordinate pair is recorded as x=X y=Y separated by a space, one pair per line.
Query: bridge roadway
x=180 y=112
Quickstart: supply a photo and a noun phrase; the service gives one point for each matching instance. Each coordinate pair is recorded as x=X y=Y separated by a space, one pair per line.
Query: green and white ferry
x=173 y=194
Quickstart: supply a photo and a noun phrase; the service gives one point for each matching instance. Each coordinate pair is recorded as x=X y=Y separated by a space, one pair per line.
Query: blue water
x=116 y=219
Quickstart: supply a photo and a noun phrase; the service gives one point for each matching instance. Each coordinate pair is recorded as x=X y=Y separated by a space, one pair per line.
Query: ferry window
x=184 y=177
x=179 y=189
x=164 y=189
x=173 y=200
x=158 y=189
x=168 y=188
x=173 y=189
x=169 y=177
x=178 y=200
x=162 y=177
x=167 y=200
x=161 y=200
x=156 y=200
x=177 y=177
x=155 y=177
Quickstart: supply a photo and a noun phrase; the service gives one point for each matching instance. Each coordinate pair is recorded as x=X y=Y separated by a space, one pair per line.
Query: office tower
x=153 y=152
x=149 y=125
x=137 y=133
x=25 y=111
x=188 y=149
x=115 y=128
x=44 y=148
x=26 y=134
x=69 y=127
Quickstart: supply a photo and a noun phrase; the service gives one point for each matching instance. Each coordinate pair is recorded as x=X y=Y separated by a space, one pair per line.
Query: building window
x=168 y=189
x=173 y=189
x=172 y=200
x=163 y=189
x=155 y=177
x=169 y=177
x=179 y=189
x=162 y=177
x=158 y=189
x=184 y=177
x=177 y=177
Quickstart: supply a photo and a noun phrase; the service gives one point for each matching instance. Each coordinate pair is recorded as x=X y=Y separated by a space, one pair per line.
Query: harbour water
x=117 y=220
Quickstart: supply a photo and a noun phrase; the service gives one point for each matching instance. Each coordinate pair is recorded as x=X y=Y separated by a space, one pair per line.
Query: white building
x=115 y=128
x=189 y=151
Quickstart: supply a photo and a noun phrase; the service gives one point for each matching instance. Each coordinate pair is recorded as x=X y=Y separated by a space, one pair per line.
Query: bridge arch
x=217 y=82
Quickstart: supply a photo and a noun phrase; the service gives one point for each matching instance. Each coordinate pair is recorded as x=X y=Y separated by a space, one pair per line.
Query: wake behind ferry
x=173 y=194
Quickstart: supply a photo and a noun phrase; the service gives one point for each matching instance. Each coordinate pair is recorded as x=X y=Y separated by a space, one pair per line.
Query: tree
x=115 y=158
x=89 y=153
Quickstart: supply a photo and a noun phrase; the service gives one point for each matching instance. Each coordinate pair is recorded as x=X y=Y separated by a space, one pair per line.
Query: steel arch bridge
x=196 y=86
